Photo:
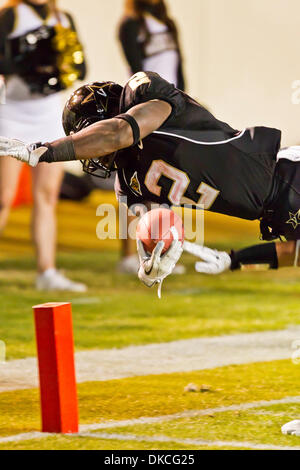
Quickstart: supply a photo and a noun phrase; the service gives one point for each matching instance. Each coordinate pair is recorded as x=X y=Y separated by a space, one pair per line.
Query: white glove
x=214 y=261
x=21 y=151
x=155 y=268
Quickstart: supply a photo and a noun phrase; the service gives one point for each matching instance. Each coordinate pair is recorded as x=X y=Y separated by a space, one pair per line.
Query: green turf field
x=118 y=311
x=110 y=403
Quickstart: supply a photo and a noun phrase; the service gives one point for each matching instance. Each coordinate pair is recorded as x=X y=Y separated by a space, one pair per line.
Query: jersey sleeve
x=146 y=86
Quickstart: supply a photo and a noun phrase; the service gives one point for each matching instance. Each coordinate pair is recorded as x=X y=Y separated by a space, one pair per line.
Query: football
x=157 y=225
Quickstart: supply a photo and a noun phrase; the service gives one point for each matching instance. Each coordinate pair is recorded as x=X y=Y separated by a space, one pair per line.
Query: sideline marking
x=162 y=358
x=157 y=419
x=192 y=442
x=188 y=414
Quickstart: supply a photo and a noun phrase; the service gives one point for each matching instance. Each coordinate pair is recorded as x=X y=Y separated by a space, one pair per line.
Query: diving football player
x=168 y=149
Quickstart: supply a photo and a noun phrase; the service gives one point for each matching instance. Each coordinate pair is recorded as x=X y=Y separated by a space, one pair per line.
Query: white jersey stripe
x=200 y=142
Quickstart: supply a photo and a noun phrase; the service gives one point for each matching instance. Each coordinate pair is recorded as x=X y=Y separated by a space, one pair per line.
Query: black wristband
x=259 y=254
x=61 y=150
x=134 y=126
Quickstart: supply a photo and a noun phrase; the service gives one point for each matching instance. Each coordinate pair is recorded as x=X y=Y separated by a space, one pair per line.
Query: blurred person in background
x=149 y=39
x=40 y=55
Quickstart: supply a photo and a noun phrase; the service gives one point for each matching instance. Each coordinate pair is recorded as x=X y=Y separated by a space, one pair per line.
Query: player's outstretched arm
x=276 y=255
x=97 y=140
x=106 y=137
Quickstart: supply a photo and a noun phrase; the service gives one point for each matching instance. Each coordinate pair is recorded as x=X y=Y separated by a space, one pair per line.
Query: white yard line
x=86 y=429
x=187 y=442
x=26 y=436
x=188 y=414
x=176 y=356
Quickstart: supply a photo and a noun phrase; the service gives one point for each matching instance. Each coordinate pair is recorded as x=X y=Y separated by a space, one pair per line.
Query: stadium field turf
x=117 y=311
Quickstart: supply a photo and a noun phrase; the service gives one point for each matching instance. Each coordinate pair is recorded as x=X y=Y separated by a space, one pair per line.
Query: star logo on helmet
x=294 y=219
x=99 y=89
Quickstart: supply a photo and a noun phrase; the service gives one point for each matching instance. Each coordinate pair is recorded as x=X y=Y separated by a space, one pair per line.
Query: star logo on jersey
x=135 y=184
x=99 y=90
x=294 y=219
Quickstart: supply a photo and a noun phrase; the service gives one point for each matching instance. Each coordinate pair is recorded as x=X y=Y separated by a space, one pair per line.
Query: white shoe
x=293 y=428
x=179 y=269
x=129 y=265
x=55 y=280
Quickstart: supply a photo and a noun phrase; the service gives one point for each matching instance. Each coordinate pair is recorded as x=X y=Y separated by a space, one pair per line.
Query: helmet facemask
x=88 y=105
x=100 y=167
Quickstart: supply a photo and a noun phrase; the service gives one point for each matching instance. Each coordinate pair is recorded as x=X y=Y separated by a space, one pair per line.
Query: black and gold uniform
x=195 y=159
x=41 y=46
x=37 y=45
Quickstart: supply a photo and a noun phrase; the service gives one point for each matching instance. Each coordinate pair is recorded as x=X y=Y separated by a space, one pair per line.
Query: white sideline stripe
x=188 y=414
x=191 y=442
x=163 y=358
x=84 y=428
x=26 y=436
x=171 y=134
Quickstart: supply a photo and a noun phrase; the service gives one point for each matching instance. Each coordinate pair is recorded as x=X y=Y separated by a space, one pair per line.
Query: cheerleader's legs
x=47 y=181
x=10 y=170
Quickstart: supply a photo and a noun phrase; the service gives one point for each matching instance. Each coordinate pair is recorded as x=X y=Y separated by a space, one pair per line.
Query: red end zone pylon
x=55 y=348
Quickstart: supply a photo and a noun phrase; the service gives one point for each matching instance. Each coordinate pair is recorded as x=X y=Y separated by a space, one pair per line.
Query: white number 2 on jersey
x=138 y=79
x=180 y=184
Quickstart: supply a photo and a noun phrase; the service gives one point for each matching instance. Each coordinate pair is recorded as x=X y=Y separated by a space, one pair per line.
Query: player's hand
x=25 y=153
x=213 y=261
x=155 y=268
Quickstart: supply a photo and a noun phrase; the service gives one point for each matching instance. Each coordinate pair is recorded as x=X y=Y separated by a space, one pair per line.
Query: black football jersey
x=194 y=158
